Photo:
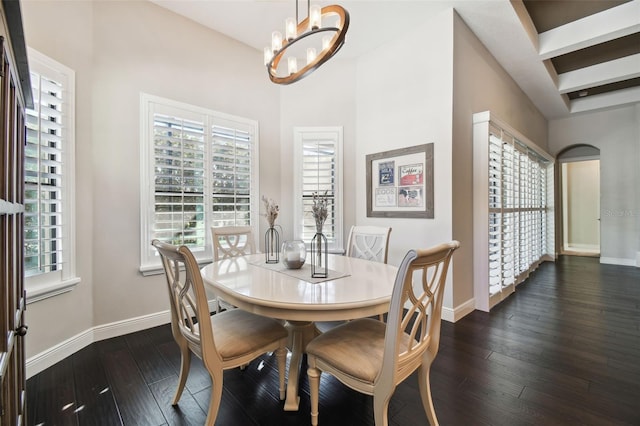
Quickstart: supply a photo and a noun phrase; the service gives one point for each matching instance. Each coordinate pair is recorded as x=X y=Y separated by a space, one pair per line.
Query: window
x=318 y=169
x=199 y=169
x=49 y=180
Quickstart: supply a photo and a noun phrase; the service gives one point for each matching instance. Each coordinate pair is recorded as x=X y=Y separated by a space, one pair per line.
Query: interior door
x=12 y=295
x=581 y=207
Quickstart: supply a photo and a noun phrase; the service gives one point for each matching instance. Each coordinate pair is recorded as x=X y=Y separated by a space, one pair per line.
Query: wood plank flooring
x=563 y=350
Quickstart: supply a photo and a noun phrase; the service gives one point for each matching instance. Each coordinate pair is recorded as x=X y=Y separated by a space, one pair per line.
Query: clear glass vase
x=319 y=254
x=272 y=246
x=294 y=254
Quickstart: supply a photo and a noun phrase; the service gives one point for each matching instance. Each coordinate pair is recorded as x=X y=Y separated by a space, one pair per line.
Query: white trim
x=7 y=207
x=336 y=133
x=47 y=358
x=460 y=311
x=618 y=261
x=149 y=104
x=37 y=292
x=57 y=353
x=67 y=280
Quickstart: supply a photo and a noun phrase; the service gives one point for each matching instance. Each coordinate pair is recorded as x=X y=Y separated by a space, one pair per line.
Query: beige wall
x=479 y=84
x=118 y=50
x=616 y=133
x=52 y=321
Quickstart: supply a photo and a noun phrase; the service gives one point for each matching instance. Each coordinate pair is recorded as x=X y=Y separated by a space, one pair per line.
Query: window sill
x=38 y=292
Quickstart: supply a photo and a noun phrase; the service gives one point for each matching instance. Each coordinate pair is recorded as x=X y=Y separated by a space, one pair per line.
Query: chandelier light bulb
x=293 y=65
x=268 y=54
x=276 y=41
x=315 y=17
x=291 y=27
x=311 y=54
x=326 y=42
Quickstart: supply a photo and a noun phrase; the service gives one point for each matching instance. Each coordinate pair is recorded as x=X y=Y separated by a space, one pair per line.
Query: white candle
x=293 y=256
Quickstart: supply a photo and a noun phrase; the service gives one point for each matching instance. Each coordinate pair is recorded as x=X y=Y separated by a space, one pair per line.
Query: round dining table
x=354 y=288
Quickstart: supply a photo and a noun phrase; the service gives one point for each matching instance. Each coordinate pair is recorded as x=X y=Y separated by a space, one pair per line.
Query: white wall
x=403 y=95
x=616 y=133
x=119 y=49
x=324 y=98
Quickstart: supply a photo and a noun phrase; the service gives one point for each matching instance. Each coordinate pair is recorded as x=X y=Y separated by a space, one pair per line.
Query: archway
x=578 y=219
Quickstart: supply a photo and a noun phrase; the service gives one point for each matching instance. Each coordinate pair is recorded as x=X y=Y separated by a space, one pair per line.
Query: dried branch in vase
x=272 y=210
x=319 y=210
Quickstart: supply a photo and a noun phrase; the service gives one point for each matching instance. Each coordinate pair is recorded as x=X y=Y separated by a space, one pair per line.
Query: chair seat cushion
x=355 y=348
x=237 y=332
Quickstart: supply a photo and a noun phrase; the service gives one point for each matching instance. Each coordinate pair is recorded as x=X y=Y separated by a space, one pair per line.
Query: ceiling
x=568 y=56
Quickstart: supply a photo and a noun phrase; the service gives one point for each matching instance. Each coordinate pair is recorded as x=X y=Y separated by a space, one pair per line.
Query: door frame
x=566 y=156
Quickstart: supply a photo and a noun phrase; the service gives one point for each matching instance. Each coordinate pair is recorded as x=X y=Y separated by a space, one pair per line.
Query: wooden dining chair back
x=369 y=242
x=232 y=241
x=226 y=340
x=373 y=357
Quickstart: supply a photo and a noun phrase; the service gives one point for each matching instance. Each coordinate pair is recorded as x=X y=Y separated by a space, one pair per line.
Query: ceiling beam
x=600 y=74
x=601 y=27
x=606 y=100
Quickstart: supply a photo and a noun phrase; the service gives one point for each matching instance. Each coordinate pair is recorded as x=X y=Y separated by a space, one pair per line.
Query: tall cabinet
x=513 y=209
x=15 y=94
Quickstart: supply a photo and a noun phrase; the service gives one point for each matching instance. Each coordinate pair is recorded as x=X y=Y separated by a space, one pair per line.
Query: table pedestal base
x=300 y=333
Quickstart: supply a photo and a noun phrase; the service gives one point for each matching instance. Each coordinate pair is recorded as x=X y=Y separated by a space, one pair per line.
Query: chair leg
x=425 y=394
x=185 y=364
x=216 y=397
x=314 y=391
x=381 y=409
x=281 y=356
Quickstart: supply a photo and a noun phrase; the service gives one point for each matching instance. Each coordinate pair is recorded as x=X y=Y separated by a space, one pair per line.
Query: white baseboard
x=618 y=261
x=453 y=315
x=47 y=358
x=57 y=353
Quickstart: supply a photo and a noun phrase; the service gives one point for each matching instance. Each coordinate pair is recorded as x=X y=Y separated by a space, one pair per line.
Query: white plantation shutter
x=179 y=180
x=231 y=157
x=43 y=178
x=518 y=208
x=318 y=157
x=199 y=170
x=49 y=224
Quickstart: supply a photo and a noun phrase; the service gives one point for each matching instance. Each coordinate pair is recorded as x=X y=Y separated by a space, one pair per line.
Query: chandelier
x=306 y=44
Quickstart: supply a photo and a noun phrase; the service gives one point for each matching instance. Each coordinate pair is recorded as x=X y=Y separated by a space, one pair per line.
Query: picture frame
x=400 y=183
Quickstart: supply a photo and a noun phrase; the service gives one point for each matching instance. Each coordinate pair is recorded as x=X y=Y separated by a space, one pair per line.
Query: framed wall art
x=400 y=183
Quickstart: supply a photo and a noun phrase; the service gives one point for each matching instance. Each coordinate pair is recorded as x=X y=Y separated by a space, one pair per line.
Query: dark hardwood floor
x=563 y=350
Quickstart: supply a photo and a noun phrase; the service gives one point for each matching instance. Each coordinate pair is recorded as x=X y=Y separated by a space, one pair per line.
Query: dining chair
x=373 y=357
x=223 y=341
x=369 y=242
x=231 y=241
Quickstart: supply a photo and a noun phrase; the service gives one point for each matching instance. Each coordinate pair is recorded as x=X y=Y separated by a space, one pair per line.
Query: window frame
x=149 y=104
x=335 y=133
x=44 y=285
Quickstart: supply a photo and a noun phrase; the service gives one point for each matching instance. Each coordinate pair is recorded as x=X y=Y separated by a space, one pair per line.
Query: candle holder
x=319 y=256
x=294 y=254
x=271 y=246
